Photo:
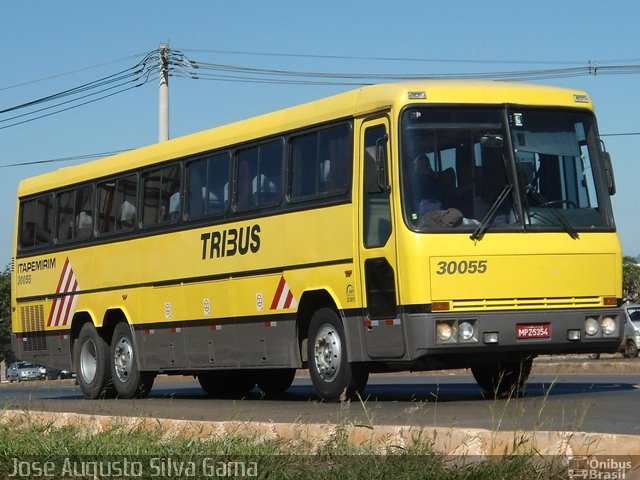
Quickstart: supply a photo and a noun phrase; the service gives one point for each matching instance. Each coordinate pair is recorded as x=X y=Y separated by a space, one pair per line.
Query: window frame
x=317 y=131
x=142 y=183
x=236 y=207
x=52 y=222
x=75 y=214
x=118 y=179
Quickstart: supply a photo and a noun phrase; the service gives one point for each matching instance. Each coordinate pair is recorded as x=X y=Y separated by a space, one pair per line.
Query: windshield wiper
x=488 y=217
x=544 y=203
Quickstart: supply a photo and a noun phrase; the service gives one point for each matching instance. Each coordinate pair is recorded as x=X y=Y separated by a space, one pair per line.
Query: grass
x=77 y=451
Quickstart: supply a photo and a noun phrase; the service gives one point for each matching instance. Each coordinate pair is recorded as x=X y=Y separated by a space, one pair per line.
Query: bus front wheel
x=91 y=357
x=503 y=379
x=128 y=380
x=333 y=376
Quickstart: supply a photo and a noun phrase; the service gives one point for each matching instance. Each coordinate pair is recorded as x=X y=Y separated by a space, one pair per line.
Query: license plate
x=533 y=330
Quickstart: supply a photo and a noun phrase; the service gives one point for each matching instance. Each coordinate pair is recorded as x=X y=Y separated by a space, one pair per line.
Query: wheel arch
x=310 y=302
x=109 y=321
x=77 y=322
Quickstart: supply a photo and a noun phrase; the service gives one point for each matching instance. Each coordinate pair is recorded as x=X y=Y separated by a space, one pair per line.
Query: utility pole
x=163 y=130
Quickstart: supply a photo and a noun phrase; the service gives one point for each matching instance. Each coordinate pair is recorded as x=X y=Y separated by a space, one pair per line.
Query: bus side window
x=36 y=222
x=259 y=176
x=321 y=163
x=270 y=186
x=196 y=188
x=303 y=158
x=117 y=204
x=335 y=160
x=84 y=212
x=126 y=198
x=377 y=206
x=207 y=191
x=66 y=202
x=161 y=200
x=75 y=214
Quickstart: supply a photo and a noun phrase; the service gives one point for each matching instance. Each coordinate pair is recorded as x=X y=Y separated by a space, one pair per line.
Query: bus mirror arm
x=608 y=170
x=376 y=180
x=381 y=163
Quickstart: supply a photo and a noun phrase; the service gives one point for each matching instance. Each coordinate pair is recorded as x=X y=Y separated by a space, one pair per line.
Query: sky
x=49 y=47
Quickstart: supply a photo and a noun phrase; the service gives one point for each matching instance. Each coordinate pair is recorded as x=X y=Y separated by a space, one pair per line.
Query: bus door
x=383 y=329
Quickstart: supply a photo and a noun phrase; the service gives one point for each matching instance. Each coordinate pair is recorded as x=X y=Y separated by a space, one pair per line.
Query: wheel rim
x=123 y=358
x=328 y=352
x=88 y=361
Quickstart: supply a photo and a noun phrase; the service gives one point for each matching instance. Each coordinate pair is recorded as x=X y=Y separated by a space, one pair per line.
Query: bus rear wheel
x=503 y=379
x=128 y=380
x=91 y=358
x=333 y=376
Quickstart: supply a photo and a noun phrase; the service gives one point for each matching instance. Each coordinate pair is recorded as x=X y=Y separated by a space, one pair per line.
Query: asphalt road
x=601 y=402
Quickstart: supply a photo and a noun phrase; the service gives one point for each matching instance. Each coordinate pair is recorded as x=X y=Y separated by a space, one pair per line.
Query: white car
x=631 y=338
x=21 y=371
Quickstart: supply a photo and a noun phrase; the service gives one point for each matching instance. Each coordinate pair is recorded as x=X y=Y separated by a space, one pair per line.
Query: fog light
x=608 y=326
x=444 y=331
x=573 y=335
x=465 y=331
x=490 y=337
x=591 y=326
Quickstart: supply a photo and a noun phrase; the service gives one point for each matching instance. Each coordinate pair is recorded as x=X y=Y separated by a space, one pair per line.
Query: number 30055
x=462 y=267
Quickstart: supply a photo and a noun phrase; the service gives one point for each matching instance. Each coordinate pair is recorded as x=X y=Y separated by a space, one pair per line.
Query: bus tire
x=128 y=380
x=275 y=381
x=503 y=379
x=91 y=357
x=333 y=376
x=229 y=384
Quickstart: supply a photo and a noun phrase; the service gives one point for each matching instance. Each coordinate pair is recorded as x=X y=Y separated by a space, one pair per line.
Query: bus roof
x=349 y=104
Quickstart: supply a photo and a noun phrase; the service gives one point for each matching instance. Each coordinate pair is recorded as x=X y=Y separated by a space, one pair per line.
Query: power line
x=181 y=66
x=72 y=72
x=88 y=156
x=195 y=69
x=69 y=108
x=384 y=59
x=121 y=81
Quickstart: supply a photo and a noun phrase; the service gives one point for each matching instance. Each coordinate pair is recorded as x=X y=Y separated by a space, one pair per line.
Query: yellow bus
x=414 y=226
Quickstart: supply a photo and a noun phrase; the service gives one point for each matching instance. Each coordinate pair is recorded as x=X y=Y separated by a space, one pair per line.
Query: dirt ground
x=607 y=363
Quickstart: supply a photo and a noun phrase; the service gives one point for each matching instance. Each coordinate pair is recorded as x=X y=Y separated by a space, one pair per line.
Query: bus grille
x=34 y=336
x=526 y=303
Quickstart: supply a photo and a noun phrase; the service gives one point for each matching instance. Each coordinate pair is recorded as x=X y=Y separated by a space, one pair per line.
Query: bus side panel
x=242 y=343
x=51 y=349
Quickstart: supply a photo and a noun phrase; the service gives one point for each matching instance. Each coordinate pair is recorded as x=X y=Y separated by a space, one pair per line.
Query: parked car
x=20 y=371
x=631 y=336
x=57 y=374
x=631 y=339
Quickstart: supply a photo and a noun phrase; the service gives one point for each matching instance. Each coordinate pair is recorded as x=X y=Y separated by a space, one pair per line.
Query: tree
x=630 y=280
x=6 y=353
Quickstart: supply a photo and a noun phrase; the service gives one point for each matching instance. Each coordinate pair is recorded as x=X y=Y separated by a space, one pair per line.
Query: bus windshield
x=491 y=168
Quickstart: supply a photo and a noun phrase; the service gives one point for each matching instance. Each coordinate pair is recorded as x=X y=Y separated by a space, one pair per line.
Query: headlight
x=608 y=326
x=445 y=331
x=591 y=326
x=465 y=331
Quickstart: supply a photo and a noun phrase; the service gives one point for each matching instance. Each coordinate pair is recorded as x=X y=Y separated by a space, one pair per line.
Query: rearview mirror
x=376 y=179
x=608 y=170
